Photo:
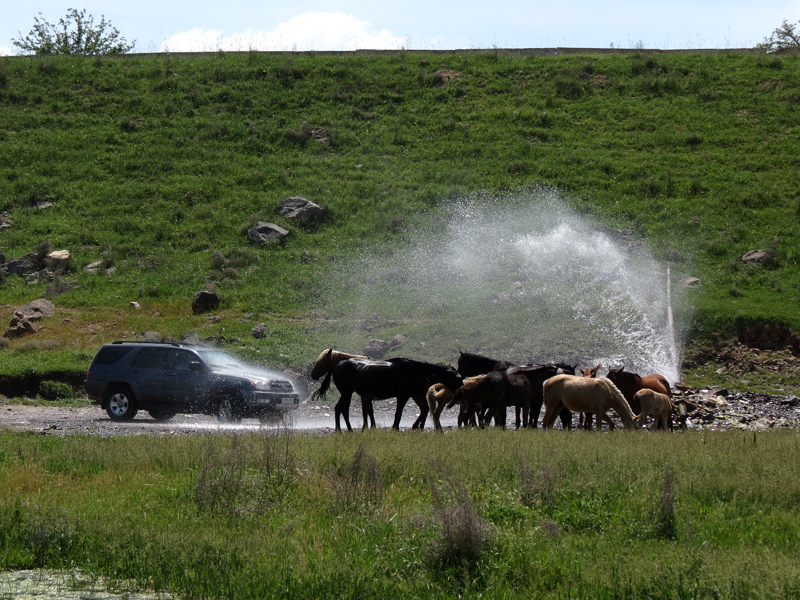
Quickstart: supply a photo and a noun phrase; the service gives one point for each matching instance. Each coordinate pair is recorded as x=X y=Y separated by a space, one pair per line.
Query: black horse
x=400 y=378
x=504 y=388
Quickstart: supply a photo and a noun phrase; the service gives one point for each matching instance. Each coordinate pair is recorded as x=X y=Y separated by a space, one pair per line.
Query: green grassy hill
x=158 y=165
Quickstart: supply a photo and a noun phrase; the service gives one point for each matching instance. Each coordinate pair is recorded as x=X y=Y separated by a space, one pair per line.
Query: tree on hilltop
x=75 y=33
x=784 y=37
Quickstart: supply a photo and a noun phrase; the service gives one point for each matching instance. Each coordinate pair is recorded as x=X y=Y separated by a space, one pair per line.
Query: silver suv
x=167 y=378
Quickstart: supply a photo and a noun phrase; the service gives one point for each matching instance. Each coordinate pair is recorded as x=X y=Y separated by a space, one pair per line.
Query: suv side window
x=180 y=360
x=110 y=355
x=151 y=358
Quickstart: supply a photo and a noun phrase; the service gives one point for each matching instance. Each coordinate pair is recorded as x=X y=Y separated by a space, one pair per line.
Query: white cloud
x=8 y=51
x=309 y=31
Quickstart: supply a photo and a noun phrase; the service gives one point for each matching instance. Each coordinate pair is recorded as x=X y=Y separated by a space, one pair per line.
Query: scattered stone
x=95 y=266
x=398 y=341
x=191 y=338
x=300 y=209
x=759 y=257
x=38 y=309
x=376 y=349
x=57 y=261
x=266 y=233
x=136 y=305
x=19 y=327
x=689 y=282
x=23 y=266
x=151 y=336
x=260 y=331
x=204 y=301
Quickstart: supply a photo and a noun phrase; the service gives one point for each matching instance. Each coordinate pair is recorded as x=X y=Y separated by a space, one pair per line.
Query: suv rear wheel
x=228 y=409
x=162 y=415
x=120 y=404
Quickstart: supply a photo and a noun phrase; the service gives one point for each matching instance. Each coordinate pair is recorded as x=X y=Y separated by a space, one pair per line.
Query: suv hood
x=249 y=374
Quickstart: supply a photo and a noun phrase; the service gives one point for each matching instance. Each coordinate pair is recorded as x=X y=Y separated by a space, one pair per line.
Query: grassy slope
x=156 y=163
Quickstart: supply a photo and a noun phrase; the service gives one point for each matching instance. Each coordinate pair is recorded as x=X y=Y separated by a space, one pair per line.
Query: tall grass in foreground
x=382 y=514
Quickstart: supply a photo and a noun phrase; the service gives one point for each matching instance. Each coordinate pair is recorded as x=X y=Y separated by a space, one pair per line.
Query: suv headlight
x=261 y=385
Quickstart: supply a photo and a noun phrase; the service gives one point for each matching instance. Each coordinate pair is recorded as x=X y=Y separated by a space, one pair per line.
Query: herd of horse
x=484 y=388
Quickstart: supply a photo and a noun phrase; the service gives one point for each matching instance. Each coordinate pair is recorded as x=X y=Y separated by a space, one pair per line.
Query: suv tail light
x=89 y=372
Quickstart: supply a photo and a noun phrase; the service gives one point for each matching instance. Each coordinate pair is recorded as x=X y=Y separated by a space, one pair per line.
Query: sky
x=202 y=25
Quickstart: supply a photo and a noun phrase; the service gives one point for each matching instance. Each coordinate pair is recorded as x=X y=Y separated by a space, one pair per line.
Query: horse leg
x=367 y=413
x=550 y=413
x=342 y=408
x=423 y=413
x=566 y=418
x=516 y=421
x=607 y=419
x=398 y=413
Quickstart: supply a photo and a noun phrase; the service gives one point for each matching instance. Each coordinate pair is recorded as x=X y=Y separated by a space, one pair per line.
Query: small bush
x=694 y=139
x=54 y=390
x=463 y=534
x=3 y=73
x=359 y=485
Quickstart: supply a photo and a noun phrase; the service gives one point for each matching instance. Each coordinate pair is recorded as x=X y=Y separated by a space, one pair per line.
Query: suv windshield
x=216 y=358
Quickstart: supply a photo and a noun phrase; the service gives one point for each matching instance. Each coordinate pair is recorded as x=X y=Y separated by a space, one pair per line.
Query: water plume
x=522 y=277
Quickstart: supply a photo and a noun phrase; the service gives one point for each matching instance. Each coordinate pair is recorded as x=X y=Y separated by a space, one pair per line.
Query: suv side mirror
x=197 y=367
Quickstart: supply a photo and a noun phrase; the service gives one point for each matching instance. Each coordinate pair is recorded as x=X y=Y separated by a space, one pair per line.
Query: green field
x=158 y=165
x=469 y=514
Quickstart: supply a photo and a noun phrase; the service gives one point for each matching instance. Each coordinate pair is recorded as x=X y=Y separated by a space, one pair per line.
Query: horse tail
x=326 y=383
x=624 y=409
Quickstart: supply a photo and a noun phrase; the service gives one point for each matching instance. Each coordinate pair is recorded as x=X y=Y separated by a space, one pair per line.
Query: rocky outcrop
x=267 y=233
x=300 y=209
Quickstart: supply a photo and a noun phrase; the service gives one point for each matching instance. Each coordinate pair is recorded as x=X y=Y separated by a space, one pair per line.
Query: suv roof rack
x=176 y=344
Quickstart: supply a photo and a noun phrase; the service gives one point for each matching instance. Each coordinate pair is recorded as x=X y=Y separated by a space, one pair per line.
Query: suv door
x=147 y=375
x=184 y=384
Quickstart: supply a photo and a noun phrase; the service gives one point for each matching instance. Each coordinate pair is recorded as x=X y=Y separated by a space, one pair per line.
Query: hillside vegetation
x=159 y=164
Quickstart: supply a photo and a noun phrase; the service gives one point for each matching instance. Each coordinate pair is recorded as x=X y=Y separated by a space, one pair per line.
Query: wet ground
x=312 y=417
x=714 y=409
x=64 y=585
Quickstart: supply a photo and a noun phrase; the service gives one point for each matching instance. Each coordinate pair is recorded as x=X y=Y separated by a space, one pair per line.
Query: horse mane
x=624 y=408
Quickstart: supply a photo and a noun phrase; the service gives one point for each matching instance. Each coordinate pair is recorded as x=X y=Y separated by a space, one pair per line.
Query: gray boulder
x=19 y=327
x=266 y=233
x=759 y=257
x=376 y=349
x=38 y=309
x=300 y=209
x=57 y=261
x=24 y=265
x=204 y=301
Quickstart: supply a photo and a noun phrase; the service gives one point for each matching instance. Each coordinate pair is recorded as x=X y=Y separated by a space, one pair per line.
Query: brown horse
x=328 y=359
x=468 y=401
x=583 y=394
x=654 y=405
x=630 y=383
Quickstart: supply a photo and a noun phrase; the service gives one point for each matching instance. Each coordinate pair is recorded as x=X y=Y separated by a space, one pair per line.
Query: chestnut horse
x=630 y=383
x=584 y=394
x=654 y=405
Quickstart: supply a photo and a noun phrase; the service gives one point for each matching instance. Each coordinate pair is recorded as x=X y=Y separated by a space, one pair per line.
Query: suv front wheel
x=228 y=409
x=120 y=404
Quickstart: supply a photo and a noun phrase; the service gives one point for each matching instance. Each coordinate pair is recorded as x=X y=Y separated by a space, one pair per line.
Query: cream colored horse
x=438 y=396
x=584 y=394
x=654 y=405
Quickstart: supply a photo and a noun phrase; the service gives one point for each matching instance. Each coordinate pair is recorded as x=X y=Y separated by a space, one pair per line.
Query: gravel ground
x=713 y=409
